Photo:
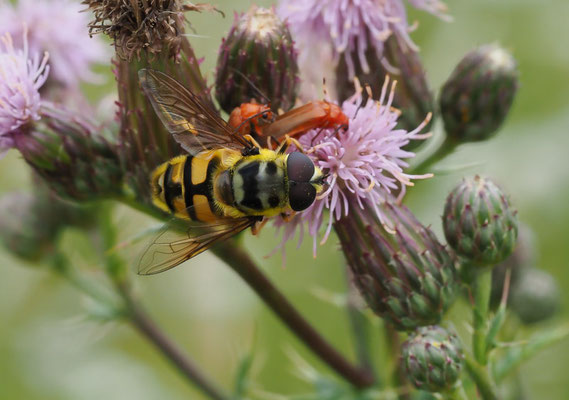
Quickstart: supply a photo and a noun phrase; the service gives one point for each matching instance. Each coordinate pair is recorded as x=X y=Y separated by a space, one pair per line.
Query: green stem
x=399 y=377
x=114 y=265
x=61 y=266
x=481 y=378
x=445 y=148
x=361 y=336
x=481 y=291
x=187 y=367
x=457 y=393
x=360 y=333
x=245 y=267
x=117 y=271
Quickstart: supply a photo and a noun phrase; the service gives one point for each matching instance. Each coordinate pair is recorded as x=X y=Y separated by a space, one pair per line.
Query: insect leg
x=256 y=228
x=287 y=217
x=252 y=141
x=287 y=142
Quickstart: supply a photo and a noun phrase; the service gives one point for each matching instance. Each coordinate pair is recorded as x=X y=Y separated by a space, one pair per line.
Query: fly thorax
x=259 y=186
x=223 y=188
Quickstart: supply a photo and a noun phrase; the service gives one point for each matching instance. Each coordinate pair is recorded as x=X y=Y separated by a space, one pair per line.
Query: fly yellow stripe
x=203 y=211
x=199 y=167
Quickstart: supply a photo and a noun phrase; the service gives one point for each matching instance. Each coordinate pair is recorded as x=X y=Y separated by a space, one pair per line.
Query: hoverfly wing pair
x=196 y=126
x=171 y=248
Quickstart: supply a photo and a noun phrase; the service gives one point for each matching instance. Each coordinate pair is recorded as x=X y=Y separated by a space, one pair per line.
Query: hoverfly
x=225 y=184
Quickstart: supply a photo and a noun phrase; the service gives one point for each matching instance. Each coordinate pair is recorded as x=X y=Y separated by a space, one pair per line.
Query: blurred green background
x=49 y=350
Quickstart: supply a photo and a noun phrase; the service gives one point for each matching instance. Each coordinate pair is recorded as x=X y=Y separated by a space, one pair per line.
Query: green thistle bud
x=71 y=155
x=406 y=277
x=432 y=357
x=258 y=52
x=30 y=222
x=479 y=223
x=412 y=94
x=477 y=97
x=535 y=296
x=25 y=230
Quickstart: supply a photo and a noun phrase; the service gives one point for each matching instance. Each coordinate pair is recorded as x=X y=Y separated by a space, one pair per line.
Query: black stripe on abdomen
x=171 y=189
x=189 y=188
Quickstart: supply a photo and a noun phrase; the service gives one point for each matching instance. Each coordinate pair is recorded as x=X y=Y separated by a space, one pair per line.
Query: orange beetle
x=251 y=118
x=259 y=121
x=316 y=114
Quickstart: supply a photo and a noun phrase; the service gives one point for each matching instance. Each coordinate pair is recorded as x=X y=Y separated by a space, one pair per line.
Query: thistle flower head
x=365 y=163
x=432 y=357
x=21 y=77
x=76 y=158
x=479 y=222
x=477 y=97
x=134 y=26
x=402 y=271
x=30 y=222
x=257 y=56
x=58 y=27
x=24 y=231
x=351 y=26
x=535 y=296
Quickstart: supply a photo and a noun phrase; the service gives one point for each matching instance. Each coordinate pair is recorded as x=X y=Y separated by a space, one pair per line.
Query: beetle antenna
x=259 y=92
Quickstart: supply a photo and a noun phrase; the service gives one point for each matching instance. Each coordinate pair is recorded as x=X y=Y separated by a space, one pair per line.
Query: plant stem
x=245 y=267
x=445 y=148
x=361 y=335
x=98 y=293
x=360 y=332
x=399 y=377
x=187 y=367
x=481 y=378
x=481 y=291
x=457 y=393
x=117 y=271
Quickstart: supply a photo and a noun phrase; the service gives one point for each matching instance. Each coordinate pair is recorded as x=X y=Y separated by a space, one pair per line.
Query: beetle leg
x=287 y=142
x=252 y=141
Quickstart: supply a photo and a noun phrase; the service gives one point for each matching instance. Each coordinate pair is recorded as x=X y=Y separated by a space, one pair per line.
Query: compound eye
x=300 y=168
x=301 y=195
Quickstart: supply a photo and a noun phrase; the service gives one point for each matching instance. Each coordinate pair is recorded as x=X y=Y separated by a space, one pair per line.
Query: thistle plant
x=256 y=60
x=403 y=281
x=432 y=357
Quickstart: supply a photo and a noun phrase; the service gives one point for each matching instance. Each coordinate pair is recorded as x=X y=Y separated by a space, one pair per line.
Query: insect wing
x=195 y=125
x=171 y=248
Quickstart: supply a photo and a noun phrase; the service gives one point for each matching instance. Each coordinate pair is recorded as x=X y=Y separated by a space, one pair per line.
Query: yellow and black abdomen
x=183 y=186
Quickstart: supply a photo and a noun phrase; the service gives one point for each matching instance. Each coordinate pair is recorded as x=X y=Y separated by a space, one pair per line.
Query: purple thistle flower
x=348 y=28
x=60 y=28
x=21 y=77
x=366 y=162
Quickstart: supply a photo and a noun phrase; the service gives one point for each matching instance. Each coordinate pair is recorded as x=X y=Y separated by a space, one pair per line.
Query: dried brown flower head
x=137 y=25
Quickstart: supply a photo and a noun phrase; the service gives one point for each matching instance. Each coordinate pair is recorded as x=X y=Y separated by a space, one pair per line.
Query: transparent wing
x=171 y=248
x=193 y=122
